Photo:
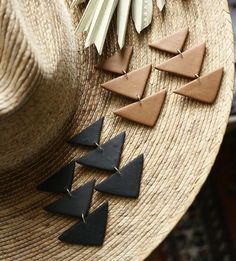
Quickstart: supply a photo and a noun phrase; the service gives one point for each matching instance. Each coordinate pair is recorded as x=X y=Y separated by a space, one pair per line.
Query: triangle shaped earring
x=173 y=43
x=205 y=88
x=106 y=156
x=186 y=64
x=145 y=111
x=90 y=232
x=132 y=84
x=125 y=182
x=117 y=63
x=76 y=204
x=59 y=182
x=89 y=136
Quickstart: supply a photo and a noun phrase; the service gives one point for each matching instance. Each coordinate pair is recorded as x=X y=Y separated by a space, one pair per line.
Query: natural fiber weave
x=179 y=151
x=38 y=77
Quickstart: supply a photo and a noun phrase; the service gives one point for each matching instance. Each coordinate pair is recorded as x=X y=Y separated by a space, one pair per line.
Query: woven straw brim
x=179 y=151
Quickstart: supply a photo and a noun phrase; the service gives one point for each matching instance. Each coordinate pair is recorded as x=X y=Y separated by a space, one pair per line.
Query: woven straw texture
x=179 y=151
x=38 y=77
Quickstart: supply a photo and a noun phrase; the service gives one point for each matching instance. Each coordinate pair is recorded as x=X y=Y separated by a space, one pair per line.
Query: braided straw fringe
x=179 y=151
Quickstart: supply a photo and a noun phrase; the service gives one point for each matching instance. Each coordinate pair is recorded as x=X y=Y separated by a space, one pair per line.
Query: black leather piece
x=76 y=204
x=107 y=157
x=59 y=182
x=92 y=232
x=126 y=183
x=89 y=136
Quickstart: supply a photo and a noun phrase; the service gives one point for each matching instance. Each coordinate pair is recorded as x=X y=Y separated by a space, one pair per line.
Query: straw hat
x=43 y=103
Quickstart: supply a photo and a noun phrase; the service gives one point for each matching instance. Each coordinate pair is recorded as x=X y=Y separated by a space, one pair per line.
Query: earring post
x=99 y=146
x=180 y=53
x=68 y=191
x=117 y=170
x=83 y=218
x=125 y=74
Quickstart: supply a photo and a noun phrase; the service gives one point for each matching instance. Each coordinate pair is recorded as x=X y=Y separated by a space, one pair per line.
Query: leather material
x=89 y=136
x=204 y=89
x=172 y=43
x=91 y=233
x=107 y=157
x=76 y=204
x=131 y=85
x=127 y=182
x=187 y=64
x=59 y=182
x=146 y=111
x=117 y=63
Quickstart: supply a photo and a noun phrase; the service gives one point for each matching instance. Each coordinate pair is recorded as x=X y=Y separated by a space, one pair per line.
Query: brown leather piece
x=172 y=43
x=205 y=88
x=186 y=64
x=132 y=84
x=117 y=63
x=145 y=111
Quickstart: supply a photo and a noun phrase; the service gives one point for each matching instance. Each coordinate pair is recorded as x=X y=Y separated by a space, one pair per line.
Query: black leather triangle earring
x=125 y=182
x=91 y=231
x=106 y=156
x=59 y=182
x=89 y=136
x=76 y=204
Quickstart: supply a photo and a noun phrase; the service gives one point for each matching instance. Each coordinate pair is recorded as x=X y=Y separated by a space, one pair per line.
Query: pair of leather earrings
x=107 y=156
x=189 y=64
x=132 y=85
x=92 y=227
x=125 y=182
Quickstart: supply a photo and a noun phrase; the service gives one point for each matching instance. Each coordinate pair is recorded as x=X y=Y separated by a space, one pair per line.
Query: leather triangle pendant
x=132 y=84
x=186 y=64
x=59 y=182
x=204 y=89
x=90 y=233
x=127 y=182
x=173 y=43
x=145 y=111
x=89 y=136
x=119 y=62
x=107 y=157
x=76 y=204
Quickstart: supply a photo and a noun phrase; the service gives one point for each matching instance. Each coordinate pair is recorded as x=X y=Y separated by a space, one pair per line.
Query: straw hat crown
x=38 y=77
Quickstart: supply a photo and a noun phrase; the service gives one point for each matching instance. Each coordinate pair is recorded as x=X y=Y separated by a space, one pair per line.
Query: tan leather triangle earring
x=186 y=64
x=145 y=111
x=117 y=63
x=132 y=84
x=173 y=43
x=205 y=88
